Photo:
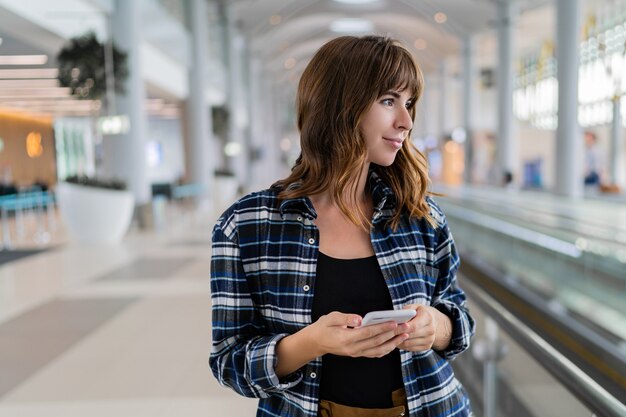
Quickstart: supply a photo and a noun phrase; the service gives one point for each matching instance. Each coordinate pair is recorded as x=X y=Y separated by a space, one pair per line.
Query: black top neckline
x=367 y=258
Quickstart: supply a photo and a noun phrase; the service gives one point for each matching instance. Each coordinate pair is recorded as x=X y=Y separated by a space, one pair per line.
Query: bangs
x=399 y=72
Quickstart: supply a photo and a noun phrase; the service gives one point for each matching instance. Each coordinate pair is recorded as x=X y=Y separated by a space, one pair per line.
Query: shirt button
x=311 y=241
x=313 y=375
x=306 y=288
x=299 y=218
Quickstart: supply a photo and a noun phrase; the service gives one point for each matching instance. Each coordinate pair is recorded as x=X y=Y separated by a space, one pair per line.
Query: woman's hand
x=429 y=329
x=340 y=334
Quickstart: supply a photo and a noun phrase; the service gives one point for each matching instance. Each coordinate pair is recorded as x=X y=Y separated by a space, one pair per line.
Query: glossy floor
x=117 y=330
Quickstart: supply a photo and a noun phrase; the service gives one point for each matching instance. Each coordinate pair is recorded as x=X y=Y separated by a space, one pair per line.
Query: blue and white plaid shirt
x=263 y=268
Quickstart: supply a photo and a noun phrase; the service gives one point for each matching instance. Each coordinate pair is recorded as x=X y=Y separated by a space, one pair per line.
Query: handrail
x=590 y=392
x=522 y=233
x=567 y=222
x=585 y=243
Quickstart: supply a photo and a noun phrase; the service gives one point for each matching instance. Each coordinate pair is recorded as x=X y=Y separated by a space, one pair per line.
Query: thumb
x=342 y=319
x=419 y=309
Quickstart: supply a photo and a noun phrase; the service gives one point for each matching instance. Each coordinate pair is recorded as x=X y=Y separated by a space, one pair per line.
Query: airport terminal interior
x=128 y=126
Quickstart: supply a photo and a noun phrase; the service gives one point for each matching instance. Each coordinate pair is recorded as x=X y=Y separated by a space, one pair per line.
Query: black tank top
x=355 y=286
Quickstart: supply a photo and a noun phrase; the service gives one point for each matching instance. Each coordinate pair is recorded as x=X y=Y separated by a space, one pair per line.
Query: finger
x=417 y=343
x=337 y=318
x=425 y=312
x=385 y=348
x=423 y=318
x=374 y=341
x=404 y=328
x=367 y=332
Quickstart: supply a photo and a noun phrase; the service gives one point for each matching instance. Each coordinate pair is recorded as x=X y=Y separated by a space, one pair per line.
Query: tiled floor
x=119 y=330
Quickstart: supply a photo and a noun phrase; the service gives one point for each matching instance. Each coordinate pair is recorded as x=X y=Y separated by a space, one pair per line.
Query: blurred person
x=593 y=162
x=352 y=229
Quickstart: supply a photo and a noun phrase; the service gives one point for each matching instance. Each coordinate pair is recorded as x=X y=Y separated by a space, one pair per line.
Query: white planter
x=225 y=192
x=95 y=215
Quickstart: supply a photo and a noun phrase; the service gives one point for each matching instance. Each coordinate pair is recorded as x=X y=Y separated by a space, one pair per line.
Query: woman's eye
x=387 y=102
x=409 y=104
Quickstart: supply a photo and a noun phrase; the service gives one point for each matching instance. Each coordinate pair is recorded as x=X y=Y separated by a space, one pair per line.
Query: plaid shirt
x=263 y=268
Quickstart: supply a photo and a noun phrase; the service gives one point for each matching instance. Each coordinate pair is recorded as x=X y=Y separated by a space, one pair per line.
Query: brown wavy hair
x=342 y=81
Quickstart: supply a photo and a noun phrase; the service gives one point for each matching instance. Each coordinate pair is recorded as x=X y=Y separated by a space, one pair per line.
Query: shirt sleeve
x=448 y=297
x=243 y=354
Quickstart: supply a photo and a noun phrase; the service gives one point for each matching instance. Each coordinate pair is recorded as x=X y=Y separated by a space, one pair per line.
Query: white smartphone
x=382 y=316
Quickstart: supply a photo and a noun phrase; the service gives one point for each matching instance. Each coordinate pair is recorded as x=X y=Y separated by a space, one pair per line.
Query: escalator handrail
x=570 y=375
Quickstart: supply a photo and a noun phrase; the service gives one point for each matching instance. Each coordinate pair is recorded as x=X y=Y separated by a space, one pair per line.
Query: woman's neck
x=363 y=197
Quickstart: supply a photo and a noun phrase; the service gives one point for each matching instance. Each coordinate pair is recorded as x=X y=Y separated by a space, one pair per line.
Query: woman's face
x=386 y=125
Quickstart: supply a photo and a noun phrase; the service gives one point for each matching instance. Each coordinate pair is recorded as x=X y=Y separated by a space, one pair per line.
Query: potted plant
x=95 y=210
x=82 y=67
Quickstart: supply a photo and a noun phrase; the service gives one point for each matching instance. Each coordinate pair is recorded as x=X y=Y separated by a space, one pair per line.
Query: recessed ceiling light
x=351 y=25
x=290 y=63
x=440 y=17
x=355 y=1
x=420 y=44
x=23 y=59
x=28 y=73
x=275 y=19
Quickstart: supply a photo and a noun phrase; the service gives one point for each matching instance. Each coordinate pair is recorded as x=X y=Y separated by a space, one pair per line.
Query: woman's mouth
x=396 y=143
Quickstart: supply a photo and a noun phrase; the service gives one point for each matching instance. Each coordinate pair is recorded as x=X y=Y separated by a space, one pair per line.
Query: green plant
x=81 y=64
x=110 y=184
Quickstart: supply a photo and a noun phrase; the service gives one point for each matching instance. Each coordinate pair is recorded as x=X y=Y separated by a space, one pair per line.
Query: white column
x=569 y=144
x=125 y=154
x=420 y=128
x=505 y=144
x=444 y=104
x=257 y=107
x=238 y=117
x=616 y=141
x=200 y=130
x=429 y=107
x=469 y=92
x=273 y=163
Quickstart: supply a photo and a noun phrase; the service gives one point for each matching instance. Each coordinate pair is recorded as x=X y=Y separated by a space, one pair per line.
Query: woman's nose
x=404 y=120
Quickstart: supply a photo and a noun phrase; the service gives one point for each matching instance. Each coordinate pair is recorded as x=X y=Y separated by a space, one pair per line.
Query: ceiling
x=304 y=25
x=281 y=31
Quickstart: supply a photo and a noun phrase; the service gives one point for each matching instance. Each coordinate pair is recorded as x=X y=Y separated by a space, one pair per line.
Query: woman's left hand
x=429 y=329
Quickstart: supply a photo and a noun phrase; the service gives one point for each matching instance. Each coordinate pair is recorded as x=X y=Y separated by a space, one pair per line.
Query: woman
x=351 y=230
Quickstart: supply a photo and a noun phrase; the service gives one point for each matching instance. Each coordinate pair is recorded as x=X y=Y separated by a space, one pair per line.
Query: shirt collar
x=382 y=196
x=300 y=205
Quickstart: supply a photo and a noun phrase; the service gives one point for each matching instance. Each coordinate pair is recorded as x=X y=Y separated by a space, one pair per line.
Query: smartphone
x=382 y=316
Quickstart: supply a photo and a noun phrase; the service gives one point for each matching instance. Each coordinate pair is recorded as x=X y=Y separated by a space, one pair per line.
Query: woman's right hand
x=339 y=334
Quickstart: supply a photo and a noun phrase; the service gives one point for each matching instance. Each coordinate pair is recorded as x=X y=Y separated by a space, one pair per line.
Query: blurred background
x=127 y=126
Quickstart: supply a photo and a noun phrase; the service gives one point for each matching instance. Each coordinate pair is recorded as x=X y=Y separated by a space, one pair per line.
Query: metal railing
x=557 y=267
x=510 y=308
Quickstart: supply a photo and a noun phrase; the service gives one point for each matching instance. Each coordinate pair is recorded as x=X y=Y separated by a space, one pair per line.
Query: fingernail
x=355 y=321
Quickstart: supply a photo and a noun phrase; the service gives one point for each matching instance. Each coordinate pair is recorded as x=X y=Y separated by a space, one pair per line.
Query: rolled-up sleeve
x=243 y=354
x=448 y=297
